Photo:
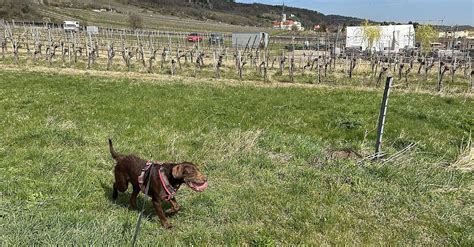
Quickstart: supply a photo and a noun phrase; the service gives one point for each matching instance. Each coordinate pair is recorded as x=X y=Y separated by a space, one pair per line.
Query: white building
x=456 y=34
x=288 y=23
x=393 y=38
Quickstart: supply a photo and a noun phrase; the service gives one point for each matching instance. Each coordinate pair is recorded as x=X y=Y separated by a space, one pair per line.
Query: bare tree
x=407 y=72
x=400 y=69
x=3 y=43
x=153 y=52
x=135 y=21
x=454 y=67
x=218 y=66
x=382 y=71
x=282 y=59
x=110 y=51
x=442 y=70
x=291 y=69
x=352 y=65
x=15 y=44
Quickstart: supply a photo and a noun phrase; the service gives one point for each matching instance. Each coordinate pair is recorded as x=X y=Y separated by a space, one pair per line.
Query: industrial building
x=249 y=40
x=392 y=39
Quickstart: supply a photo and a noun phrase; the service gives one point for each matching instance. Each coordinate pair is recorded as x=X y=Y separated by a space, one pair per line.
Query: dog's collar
x=169 y=189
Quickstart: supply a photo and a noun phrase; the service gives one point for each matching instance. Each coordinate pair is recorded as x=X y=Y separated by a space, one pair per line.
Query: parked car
x=216 y=38
x=71 y=26
x=194 y=37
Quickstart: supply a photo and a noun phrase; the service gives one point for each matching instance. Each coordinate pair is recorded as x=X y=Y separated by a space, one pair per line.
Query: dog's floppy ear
x=177 y=171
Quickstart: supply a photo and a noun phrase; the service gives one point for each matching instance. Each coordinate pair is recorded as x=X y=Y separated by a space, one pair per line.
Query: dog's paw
x=171 y=211
x=167 y=226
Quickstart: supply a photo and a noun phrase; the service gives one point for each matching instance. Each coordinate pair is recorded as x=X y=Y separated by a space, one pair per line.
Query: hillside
x=186 y=15
x=239 y=13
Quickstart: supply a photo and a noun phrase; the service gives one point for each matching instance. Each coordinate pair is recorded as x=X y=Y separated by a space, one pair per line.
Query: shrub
x=18 y=9
x=135 y=21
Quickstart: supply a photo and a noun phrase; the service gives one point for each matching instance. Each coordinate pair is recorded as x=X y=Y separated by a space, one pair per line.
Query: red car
x=194 y=37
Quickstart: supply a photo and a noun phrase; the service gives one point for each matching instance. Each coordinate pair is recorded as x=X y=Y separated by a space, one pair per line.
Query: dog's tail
x=114 y=154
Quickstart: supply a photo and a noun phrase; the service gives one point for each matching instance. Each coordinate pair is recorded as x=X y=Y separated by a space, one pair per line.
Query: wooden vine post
x=471 y=72
x=110 y=51
x=152 y=55
x=90 y=50
x=383 y=114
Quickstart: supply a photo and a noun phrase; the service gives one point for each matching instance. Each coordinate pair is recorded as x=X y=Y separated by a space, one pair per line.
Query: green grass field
x=265 y=152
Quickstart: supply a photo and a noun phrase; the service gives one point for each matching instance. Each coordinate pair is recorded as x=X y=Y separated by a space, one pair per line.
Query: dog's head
x=191 y=175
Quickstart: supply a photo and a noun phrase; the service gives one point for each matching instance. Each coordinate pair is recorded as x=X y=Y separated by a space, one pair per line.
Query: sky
x=446 y=12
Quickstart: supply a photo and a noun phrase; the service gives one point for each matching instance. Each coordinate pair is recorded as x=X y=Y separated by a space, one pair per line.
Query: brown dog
x=129 y=168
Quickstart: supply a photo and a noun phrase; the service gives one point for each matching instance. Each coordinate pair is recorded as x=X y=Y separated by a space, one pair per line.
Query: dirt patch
x=280 y=157
x=344 y=154
x=329 y=156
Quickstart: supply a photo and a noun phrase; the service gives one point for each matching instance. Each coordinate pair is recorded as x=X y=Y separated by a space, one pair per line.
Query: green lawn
x=263 y=150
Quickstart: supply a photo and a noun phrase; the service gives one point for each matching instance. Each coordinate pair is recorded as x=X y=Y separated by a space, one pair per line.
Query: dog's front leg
x=175 y=207
x=161 y=214
x=133 y=197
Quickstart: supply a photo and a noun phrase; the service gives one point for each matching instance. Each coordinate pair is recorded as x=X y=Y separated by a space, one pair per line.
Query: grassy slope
x=244 y=14
x=178 y=15
x=151 y=19
x=258 y=147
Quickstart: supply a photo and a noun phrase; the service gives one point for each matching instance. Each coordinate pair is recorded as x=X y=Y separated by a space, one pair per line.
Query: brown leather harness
x=169 y=190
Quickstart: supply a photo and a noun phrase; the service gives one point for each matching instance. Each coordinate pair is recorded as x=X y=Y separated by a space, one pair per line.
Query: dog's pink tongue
x=202 y=186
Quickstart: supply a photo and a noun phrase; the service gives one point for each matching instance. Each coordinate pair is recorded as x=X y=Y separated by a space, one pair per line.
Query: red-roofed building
x=287 y=24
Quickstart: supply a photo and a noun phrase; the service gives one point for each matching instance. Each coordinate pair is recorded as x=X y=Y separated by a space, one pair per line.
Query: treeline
x=19 y=9
x=29 y=9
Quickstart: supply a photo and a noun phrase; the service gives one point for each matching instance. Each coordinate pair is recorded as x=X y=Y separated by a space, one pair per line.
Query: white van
x=71 y=26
